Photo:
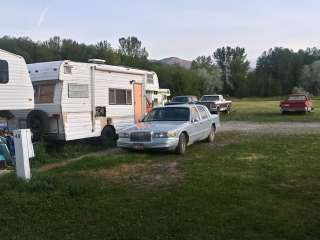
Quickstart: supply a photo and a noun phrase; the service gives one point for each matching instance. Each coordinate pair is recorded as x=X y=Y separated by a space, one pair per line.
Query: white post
x=24 y=151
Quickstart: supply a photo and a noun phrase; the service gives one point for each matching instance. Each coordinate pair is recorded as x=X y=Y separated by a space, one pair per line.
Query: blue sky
x=179 y=28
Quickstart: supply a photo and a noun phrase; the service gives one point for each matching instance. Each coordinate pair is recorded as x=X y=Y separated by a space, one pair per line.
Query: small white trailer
x=76 y=100
x=16 y=95
x=16 y=91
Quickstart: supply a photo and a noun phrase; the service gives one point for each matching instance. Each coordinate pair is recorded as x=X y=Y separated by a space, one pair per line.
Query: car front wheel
x=182 y=145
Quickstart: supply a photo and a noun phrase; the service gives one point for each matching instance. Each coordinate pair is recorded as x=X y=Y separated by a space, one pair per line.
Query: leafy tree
x=209 y=74
x=132 y=53
x=234 y=67
x=132 y=47
x=310 y=78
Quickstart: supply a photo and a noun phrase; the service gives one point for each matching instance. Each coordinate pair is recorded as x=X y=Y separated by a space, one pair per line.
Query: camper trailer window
x=120 y=96
x=44 y=93
x=67 y=70
x=129 y=97
x=150 y=78
x=78 y=90
x=4 y=72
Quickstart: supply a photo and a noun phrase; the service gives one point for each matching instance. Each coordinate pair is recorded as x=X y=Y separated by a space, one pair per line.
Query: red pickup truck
x=296 y=103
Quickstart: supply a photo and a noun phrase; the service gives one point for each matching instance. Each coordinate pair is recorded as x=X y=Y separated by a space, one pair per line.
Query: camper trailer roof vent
x=97 y=61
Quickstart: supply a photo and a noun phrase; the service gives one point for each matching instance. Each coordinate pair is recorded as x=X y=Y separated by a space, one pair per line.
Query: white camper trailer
x=16 y=91
x=81 y=100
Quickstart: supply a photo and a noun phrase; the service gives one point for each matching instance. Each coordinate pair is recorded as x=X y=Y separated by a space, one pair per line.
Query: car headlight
x=123 y=135
x=164 y=134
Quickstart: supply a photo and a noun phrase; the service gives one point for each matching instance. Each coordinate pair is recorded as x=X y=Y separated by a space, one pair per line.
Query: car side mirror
x=194 y=120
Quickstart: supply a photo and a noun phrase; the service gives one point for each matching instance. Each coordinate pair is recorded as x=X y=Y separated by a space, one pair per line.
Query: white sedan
x=171 y=127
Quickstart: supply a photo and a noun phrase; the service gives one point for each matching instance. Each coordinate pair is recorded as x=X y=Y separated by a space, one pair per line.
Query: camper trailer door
x=138 y=104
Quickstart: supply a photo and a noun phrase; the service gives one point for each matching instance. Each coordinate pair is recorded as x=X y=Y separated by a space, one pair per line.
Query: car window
x=180 y=99
x=203 y=112
x=210 y=98
x=168 y=114
x=297 y=98
x=195 y=114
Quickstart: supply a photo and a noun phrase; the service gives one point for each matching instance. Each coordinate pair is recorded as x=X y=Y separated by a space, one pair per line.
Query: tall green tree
x=209 y=75
x=132 y=53
x=310 y=78
x=234 y=66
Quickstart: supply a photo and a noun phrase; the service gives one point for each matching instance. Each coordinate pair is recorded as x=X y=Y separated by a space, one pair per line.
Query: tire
x=108 y=136
x=182 y=145
x=228 y=109
x=212 y=134
x=38 y=122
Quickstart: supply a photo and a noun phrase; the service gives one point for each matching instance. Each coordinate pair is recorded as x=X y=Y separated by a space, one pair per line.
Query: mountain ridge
x=176 y=61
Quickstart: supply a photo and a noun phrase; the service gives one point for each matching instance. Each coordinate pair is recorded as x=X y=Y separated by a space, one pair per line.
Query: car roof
x=298 y=94
x=185 y=96
x=180 y=105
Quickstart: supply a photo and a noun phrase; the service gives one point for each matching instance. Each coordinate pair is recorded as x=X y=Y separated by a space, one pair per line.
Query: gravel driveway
x=274 y=128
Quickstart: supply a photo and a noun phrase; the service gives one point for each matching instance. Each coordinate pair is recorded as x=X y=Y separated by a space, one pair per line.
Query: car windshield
x=297 y=98
x=209 y=98
x=180 y=99
x=168 y=114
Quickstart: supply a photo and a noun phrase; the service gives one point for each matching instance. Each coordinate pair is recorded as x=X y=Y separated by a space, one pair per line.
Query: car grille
x=209 y=105
x=140 y=137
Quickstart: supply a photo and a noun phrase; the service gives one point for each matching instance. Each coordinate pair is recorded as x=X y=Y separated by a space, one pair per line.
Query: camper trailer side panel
x=17 y=93
x=76 y=102
x=121 y=114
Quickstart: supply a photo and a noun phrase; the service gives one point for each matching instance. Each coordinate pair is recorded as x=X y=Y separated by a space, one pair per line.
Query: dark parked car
x=216 y=103
x=183 y=100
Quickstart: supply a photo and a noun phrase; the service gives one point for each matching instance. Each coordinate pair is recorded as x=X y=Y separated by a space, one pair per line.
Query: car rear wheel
x=212 y=135
x=182 y=145
x=228 y=110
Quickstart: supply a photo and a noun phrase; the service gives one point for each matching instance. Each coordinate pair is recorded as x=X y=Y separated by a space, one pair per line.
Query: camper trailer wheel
x=108 y=136
x=38 y=122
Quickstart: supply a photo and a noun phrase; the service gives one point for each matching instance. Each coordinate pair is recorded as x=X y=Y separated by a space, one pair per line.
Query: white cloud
x=42 y=16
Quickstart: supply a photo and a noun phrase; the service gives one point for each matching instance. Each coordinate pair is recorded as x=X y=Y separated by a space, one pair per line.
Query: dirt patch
x=4 y=172
x=287 y=128
x=61 y=164
x=152 y=174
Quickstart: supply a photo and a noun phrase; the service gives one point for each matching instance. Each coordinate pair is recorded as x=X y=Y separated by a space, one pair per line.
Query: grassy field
x=260 y=110
x=243 y=187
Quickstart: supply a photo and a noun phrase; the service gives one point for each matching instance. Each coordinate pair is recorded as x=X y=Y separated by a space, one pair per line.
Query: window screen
x=195 y=114
x=129 y=97
x=112 y=96
x=150 y=78
x=78 y=90
x=44 y=93
x=4 y=72
x=203 y=112
x=120 y=96
x=67 y=70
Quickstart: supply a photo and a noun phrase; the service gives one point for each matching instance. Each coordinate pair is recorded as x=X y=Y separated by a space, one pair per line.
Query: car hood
x=156 y=126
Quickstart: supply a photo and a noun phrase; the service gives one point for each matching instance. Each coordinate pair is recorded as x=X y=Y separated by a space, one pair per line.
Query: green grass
x=257 y=188
x=261 y=110
x=60 y=151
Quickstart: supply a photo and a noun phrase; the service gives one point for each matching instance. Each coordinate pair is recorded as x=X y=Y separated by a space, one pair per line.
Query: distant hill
x=176 y=61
